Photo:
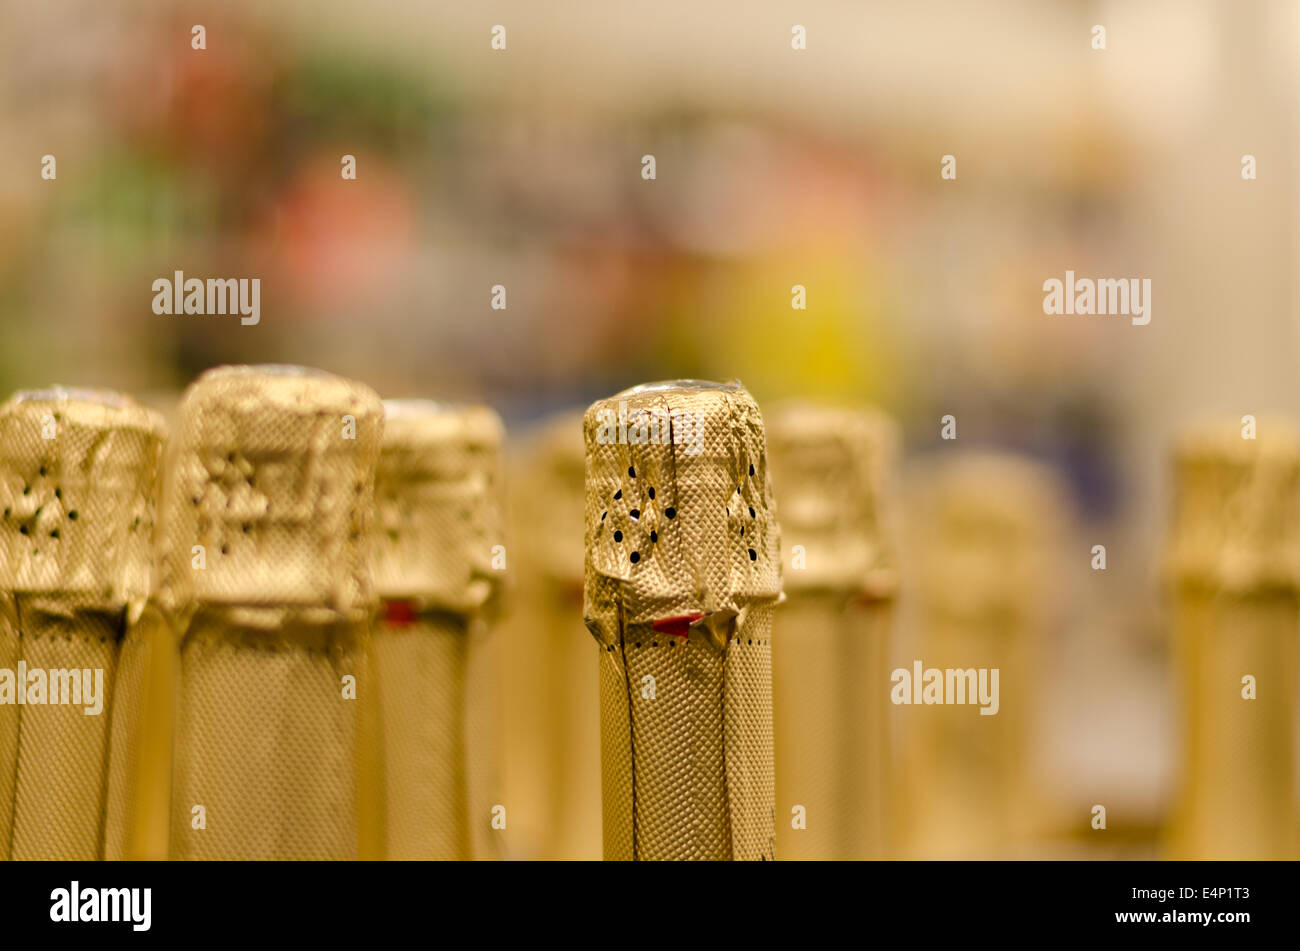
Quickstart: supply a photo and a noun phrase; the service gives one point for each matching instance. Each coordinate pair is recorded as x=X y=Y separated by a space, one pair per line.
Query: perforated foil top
x=680 y=521
x=437 y=494
x=832 y=472
x=77 y=476
x=268 y=491
x=1236 y=511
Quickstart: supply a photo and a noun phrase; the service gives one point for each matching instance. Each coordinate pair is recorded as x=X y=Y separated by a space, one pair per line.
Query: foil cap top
x=680 y=520
x=548 y=501
x=832 y=469
x=1236 y=509
x=437 y=498
x=268 y=491
x=985 y=535
x=77 y=478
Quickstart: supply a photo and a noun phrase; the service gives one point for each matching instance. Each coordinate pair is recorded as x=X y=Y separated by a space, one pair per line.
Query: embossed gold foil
x=253 y=696
x=682 y=575
x=77 y=472
x=437 y=495
x=832 y=476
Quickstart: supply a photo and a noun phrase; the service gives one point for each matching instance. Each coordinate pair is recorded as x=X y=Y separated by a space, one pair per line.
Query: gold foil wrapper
x=682 y=575
x=984 y=532
x=835 y=467
x=552 y=707
x=1233 y=566
x=270 y=471
x=832 y=469
x=437 y=496
x=77 y=471
x=250 y=684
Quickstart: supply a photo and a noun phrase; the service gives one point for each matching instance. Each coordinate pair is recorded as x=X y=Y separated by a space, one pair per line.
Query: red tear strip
x=399 y=613
x=679 y=626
